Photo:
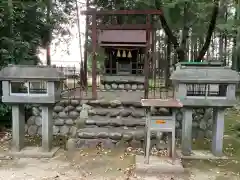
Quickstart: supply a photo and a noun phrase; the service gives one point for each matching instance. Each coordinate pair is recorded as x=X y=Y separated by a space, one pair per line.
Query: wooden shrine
x=127 y=49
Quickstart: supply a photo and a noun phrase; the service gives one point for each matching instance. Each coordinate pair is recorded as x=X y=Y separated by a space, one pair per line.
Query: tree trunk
x=119 y=4
x=220 y=50
x=48 y=49
x=234 y=49
x=225 y=50
x=192 y=47
x=237 y=53
x=222 y=13
x=195 y=50
x=210 y=31
x=185 y=32
x=10 y=25
x=212 y=47
x=225 y=38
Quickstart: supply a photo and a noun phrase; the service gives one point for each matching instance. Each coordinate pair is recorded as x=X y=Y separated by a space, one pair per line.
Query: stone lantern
x=30 y=85
x=204 y=85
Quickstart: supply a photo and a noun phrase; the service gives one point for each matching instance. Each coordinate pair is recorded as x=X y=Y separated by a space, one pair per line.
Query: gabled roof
x=201 y=73
x=18 y=72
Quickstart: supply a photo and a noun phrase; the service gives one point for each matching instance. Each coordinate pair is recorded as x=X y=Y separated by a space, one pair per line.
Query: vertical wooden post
x=94 y=61
x=146 y=59
x=110 y=59
x=153 y=51
x=85 y=47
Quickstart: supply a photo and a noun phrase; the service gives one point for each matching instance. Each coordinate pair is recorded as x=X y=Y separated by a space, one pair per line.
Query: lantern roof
x=26 y=72
x=205 y=72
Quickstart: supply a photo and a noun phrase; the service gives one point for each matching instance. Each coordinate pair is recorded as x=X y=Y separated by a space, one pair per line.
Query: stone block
x=115 y=135
x=31 y=120
x=39 y=131
x=73 y=131
x=35 y=111
x=63 y=115
x=38 y=120
x=125 y=113
x=78 y=108
x=59 y=122
x=69 y=122
x=73 y=114
x=74 y=102
x=80 y=122
x=64 y=130
x=58 y=109
x=71 y=145
x=83 y=114
x=54 y=115
x=32 y=130
x=56 y=130
x=158 y=165
x=69 y=108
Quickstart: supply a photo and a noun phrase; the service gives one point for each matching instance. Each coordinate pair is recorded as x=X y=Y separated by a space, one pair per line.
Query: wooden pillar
x=94 y=61
x=110 y=61
x=146 y=59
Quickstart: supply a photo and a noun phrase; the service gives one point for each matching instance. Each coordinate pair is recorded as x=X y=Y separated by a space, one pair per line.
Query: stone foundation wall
x=127 y=83
x=114 y=120
x=126 y=86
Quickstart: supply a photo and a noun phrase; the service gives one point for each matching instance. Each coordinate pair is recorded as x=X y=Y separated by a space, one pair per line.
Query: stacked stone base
x=127 y=83
x=126 y=87
x=110 y=123
x=110 y=137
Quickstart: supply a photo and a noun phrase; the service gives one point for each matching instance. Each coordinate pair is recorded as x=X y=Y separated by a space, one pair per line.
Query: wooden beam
x=121 y=45
x=122 y=12
x=125 y=27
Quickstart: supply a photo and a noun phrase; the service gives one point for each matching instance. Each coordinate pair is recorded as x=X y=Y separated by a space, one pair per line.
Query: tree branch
x=186 y=26
x=180 y=48
x=168 y=31
x=211 y=28
x=166 y=27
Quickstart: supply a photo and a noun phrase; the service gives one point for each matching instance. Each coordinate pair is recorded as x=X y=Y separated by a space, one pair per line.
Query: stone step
x=117 y=112
x=116 y=133
x=115 y=122
x=118 y=79
x=133 y=86
x=115 y=137
x=114 y=103
x=123 y=82
x=125 y=112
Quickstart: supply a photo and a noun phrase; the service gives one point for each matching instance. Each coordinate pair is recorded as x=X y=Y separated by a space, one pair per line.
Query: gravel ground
x=95 y=164
x=100 y=164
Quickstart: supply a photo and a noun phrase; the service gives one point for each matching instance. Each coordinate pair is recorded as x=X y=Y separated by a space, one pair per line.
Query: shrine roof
x=204 y=73
x=26 y=72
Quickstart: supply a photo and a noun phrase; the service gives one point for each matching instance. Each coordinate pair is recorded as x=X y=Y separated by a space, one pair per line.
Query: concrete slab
x=158 y=165
x=33 y=152
x=202 y=155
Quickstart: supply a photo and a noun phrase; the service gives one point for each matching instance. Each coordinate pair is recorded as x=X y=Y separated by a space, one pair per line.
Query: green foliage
x=4 y=109
x=25 y=27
